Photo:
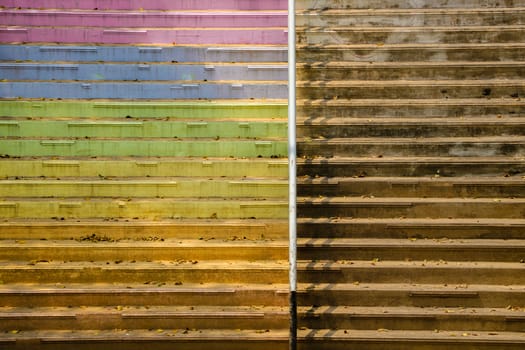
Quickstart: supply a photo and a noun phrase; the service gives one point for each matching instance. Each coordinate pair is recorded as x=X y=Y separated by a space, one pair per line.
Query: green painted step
x=143 y=147
x=165 y=187
x=143 y=208
x=128 y=109
x=144 y=167
x=121 y=129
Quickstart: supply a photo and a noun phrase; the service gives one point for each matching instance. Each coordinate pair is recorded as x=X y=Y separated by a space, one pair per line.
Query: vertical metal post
x=292 y=175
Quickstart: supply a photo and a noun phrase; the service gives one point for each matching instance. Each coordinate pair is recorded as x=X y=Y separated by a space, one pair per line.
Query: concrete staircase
x=143 y=175
x=411 y=189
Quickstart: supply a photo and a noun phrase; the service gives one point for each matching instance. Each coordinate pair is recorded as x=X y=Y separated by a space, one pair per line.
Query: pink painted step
x=143 y=19
x=149 y=4
x=261 y=36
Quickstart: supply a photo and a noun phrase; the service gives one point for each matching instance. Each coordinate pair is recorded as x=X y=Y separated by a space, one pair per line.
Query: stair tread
x=401 y=201
x=419 y=222
x=330 y=265
x=470 y=180
x=413 y=121
x=452 y=289
x=440 y=83
x=411 y=11
x=425 y=102
x=408 y=311
x=418 y=29
x=412 y=159
x=443 y=243
x=403 y=64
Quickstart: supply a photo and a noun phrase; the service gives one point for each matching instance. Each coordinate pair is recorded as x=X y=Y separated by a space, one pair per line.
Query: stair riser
x=401 y=36
x=388 y=189
x=416 y=275
x=140 y=72
x=409 y=73
x=144 y=148
x=63 y=53
x=412 y=149
x=408 y=130
x=415 y=210
x=153 y=297
x=102 y=129
x=144 y=168
x=410 y=54
x=165 y=275
x=112 y=253
x=423 y=91
x=408 y=4
x=369 y=230
x=407 y=19
x=210 y=189
x=411 y=169
x=450 y=322
x=138 y=91
x=152 y=209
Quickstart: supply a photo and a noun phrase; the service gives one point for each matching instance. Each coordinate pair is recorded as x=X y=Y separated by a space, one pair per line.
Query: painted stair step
x=415 y=147
x=397 y=228
x=411 y=52
x=416 y=207
x=454 y=70
x=444 y=250
x=181 y=36
x=417 y=272
x=143 y=53
x=411 y=166
x=137 y=339
x=220 y=229
x=382 y=107
x=143 y=167
x=403 y=4
x=131 y=19
x=400 y=35
x=129 y=110
x=145 y=90
x=87 y=248
x=436 y=186
x=143 y=129
x=412 y=318
x=142 y=71
x=64 y=294
x=428 y=17
x=168 y=272
x=417 y=295
x=150 y=209
x=171 y=187
x=144 y=147
x=152 y=4
x=413 y=89
x=147 y=317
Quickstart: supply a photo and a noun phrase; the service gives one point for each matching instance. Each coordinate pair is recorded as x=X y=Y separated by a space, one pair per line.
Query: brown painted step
x=492 y=146
x=432 y=186
x=443 y=250
x=409 y=108
x=155 y=339
x=413 y=318
x=418 y=272
x=155 y=293
x=144 y=317
x=411 y=52
x=411 y=89
x=410 y=166
x=345 y=70
x=410 y=228
x=402 y=35
x=418 y=295
x=405 y=4
x=411 y=207
x=116 y=229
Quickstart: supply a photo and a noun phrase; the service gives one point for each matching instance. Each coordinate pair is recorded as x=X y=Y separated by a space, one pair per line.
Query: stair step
x=151 y=187
x=67 y=293
x=205 y=229
x=412 y=318
x=410 y=166
x=403 y=4
x=143 y=317
x=411 y=207
x=410 y=228
x=417 y=295
x=155 y=272
x=443 y=250
x=436 y=186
